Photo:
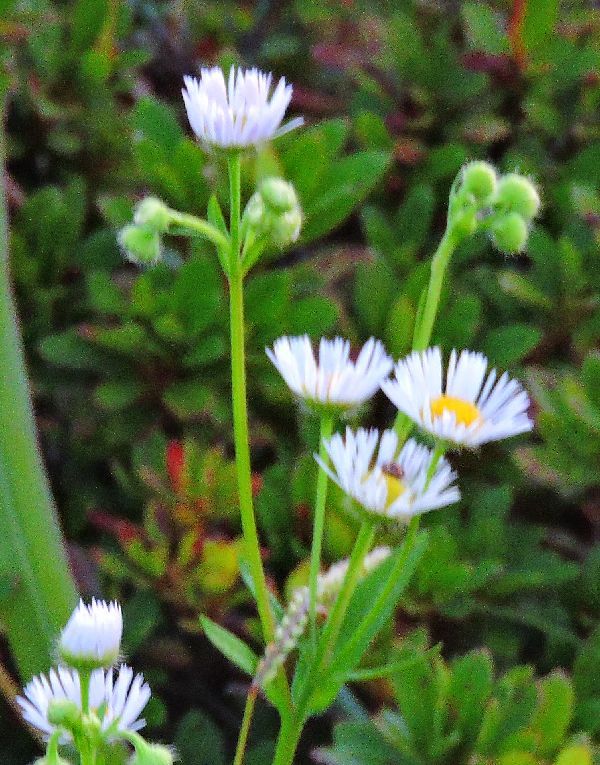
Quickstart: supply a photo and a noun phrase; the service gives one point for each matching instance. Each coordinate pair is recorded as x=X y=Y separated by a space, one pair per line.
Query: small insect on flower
x=92 y=636
x=240 y=112
x=383 y=482
x=117 y=704
x=469 y=409
x=332 y=380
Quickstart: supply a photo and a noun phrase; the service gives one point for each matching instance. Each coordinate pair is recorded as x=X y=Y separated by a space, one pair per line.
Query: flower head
x=369 y=469
x=92 y=637
x=241 y=112
x=469 y=409
x=117 y=704
x=332 y=379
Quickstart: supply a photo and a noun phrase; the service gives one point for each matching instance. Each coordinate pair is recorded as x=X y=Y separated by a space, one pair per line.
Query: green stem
x=407 y=546
x=235 y=200
x=336 y=618
x=426 y=318
x=84 y=679
x=87 y=754
x=319 y=524
x=240 y=412
x=439 y=263
x=33 y=559
x=201 y=227
x=338 y=612
x=386 y=592
x=245 y=729
x=52 y=748
x=287 y=741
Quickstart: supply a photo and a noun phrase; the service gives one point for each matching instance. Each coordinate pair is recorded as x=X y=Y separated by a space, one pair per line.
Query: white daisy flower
x=332 y=379
x=241 y=112
x=470 y=409
x=117 y=704
x=369 y=469
x=92 y=637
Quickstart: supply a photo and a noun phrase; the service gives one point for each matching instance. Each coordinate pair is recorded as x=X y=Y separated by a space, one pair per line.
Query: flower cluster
x=503 y=207
x=85 y=701
x=463 y=408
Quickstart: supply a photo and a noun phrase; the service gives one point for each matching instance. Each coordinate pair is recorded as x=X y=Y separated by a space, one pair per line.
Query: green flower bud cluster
x=502 y=206
x=273 y=213
x=141 y=240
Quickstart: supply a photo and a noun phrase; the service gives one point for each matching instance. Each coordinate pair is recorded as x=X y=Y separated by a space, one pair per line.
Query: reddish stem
x=515 y=32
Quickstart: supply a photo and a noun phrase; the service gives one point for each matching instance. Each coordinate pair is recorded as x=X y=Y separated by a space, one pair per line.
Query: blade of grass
x=37 y=592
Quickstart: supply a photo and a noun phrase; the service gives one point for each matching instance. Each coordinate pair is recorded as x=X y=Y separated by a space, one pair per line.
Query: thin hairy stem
x=318 y=526
x=245 y=729
x=439 y=263
x=240 y=411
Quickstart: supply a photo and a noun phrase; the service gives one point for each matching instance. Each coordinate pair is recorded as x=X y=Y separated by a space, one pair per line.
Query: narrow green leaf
x=230 y=646
x=346 y=185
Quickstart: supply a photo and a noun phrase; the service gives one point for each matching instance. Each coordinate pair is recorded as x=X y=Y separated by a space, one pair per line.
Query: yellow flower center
x=392 y=475
x=465 y=412
x=395 y=488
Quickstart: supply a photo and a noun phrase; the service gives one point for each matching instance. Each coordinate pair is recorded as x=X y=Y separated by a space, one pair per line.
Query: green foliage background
x=129 y=365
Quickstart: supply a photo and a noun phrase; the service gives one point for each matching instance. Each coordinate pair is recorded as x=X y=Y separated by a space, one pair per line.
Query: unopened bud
x=278 y=195
x=152 y=754
x=464 y=221
x=255 y=211
x=63 y=713
x=51 y=759
x=141 y=244
x=509 y=233
x=286 y=227
x=153 y=213
x=518 y=194
x=479 y=179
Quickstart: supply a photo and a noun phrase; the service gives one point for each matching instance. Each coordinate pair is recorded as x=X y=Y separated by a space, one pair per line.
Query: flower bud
x=278 y=195
x=286 y=228
x=151 y=754
x=479 y=179
x=273 y=212
x=63 y=713
x=255 y=211
x=464 y=221
x=153 y=213
x=141 y=244
x=92 y=637
x=51 y=759
x=518 y=194
x=509 y=233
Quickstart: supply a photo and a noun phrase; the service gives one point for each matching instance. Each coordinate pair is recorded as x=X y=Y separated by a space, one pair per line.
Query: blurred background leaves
x=130 y=368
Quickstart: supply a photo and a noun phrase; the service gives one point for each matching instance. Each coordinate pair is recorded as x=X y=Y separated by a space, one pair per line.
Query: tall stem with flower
x=387 y=476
